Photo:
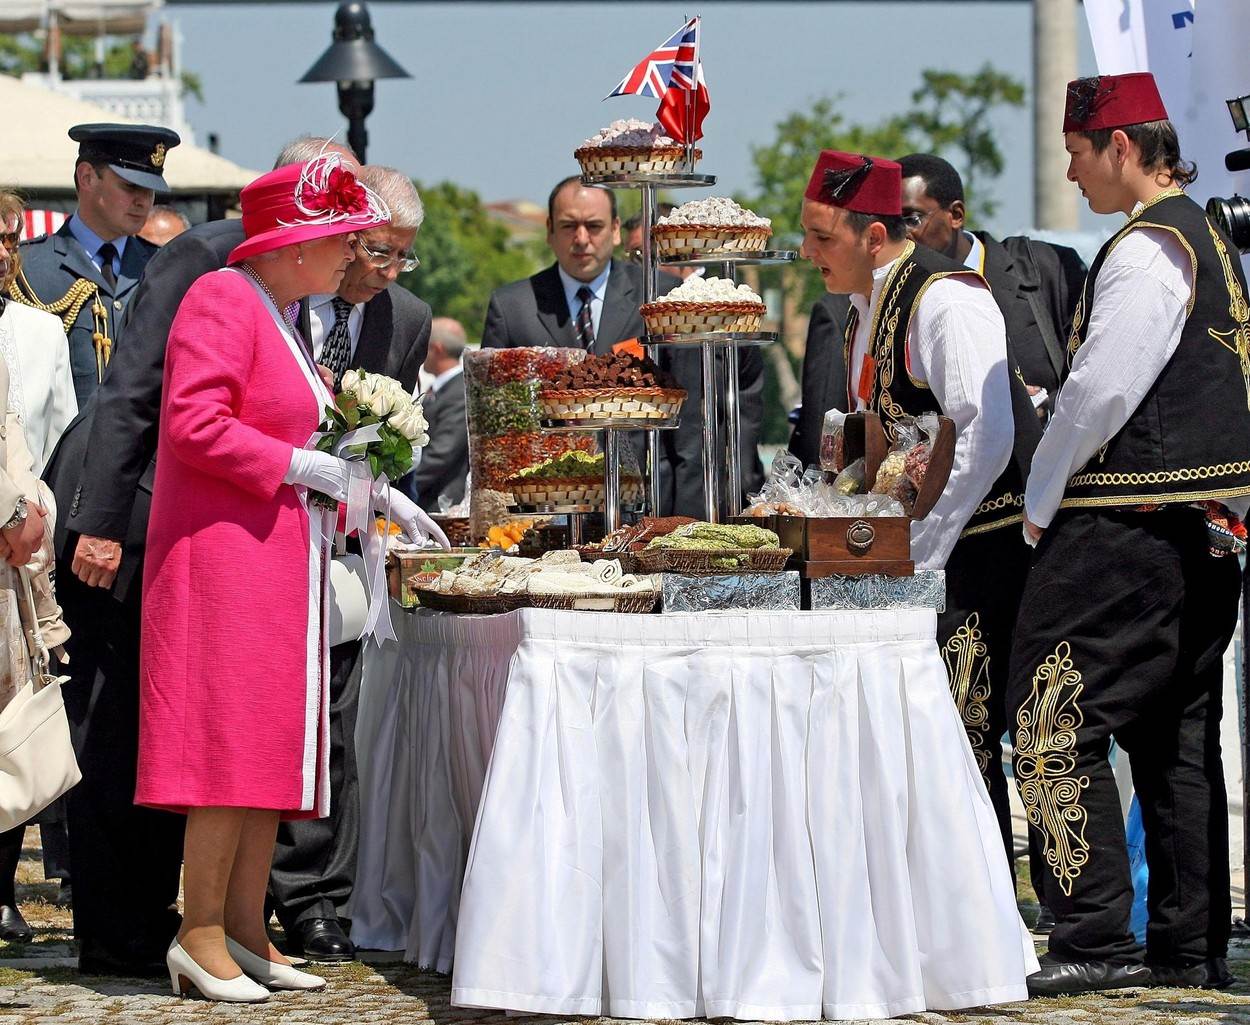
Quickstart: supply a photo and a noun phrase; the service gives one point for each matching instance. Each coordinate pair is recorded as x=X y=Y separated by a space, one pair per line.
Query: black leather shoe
x=1063 y=978
x=97 y=961
x=1212 y=973
x=1045 y=920
x=323 y=939
x=13 y=926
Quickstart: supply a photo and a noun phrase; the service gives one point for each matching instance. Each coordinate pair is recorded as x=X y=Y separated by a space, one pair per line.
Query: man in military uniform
x=1133 y=497
x=86 y=272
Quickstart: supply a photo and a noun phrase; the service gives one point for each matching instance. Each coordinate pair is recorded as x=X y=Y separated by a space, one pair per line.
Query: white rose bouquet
x=373 y=418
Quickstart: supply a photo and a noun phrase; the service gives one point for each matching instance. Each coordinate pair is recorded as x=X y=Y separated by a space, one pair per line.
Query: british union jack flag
x=671 y=65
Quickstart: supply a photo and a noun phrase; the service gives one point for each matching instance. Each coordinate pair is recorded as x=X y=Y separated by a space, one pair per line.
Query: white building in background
x=154 y=97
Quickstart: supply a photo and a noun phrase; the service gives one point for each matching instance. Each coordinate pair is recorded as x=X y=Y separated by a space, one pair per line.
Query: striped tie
x=585 y=320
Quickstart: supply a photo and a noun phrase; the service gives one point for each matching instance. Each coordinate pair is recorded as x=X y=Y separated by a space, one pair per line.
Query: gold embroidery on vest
x=1045 y=764
x=1187 y=473
x=1237 y=339
x=968 y=667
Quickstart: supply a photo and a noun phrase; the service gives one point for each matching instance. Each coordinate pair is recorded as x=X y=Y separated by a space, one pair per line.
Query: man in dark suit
x=129 y=858
x=445 y=460
x=1036 y=284
x=588 y=300
x=87 y=271
x=824 y=375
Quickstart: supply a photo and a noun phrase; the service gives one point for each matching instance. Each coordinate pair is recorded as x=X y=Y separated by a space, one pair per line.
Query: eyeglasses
x=10 y=239
x=913 y=219
x=385 y=259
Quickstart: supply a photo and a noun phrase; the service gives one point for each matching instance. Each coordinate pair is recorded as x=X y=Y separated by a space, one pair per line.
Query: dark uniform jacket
x=535 y=311
x=52 y=268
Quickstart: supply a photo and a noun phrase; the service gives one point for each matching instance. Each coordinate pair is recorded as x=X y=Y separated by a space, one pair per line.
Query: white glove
x=410 y=516
x=319 y=471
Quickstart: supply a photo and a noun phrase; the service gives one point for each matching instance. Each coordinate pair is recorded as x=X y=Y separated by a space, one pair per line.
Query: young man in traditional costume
x=1133 y=502
x=924 y=335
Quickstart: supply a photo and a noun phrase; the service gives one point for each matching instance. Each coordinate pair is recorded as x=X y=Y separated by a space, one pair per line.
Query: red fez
x=1112 y=101
x=867 y=185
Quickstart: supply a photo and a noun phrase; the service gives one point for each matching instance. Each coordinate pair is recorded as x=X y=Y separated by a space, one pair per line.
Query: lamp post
x=354 y=61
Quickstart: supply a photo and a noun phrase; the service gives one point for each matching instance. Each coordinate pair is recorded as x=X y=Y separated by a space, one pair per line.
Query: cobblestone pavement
x=38 y=985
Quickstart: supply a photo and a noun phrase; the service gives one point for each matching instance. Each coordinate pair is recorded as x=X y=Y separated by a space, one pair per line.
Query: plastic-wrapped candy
x=833 y=442
x=851 y=480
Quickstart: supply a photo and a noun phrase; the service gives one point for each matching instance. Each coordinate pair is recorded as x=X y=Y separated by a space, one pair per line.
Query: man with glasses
x=1035 y=284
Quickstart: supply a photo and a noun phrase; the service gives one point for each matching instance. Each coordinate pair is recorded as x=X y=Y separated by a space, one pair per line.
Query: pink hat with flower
x=303 y=202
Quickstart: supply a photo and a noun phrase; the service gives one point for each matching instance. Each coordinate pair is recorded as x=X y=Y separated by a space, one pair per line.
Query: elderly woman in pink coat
x=234 y=699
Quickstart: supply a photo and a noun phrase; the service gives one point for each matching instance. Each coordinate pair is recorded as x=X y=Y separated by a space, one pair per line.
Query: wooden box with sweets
x=858 y=545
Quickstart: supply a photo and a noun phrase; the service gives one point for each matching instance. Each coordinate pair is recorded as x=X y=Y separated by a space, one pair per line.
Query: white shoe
x=270 y=973
x=186 y=975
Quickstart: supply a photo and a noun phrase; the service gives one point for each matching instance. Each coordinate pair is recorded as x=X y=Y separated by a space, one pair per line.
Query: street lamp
x=354 y=61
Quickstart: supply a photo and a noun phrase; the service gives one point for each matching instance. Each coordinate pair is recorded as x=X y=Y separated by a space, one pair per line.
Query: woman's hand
x=327 y=377
x=410 y=517
x=21 y=542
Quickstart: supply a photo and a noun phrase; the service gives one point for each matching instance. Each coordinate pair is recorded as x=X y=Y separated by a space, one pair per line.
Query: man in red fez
x=1134 y=503
x=924 y=335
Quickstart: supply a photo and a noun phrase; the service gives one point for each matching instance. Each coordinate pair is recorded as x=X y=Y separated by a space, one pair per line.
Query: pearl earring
x=299 y=257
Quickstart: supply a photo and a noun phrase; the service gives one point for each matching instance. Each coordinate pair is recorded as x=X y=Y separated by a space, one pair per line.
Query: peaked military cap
x=135 y=152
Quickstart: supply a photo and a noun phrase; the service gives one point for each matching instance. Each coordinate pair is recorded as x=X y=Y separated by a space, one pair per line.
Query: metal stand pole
x=711 y=436
x=575 y=529
x=611 y=481
x=650 y=283
x=733 y=423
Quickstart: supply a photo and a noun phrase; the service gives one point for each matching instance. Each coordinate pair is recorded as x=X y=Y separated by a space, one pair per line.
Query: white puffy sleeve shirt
x=957 y=345
x=1139 y=307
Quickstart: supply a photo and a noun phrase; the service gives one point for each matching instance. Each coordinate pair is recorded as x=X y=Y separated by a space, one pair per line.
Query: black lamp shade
x=353 y=56
x=1237 y=108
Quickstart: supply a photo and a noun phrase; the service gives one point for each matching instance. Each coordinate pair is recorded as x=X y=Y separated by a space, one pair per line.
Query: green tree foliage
x=953 y=111
x=23 y=52
x=465 y=255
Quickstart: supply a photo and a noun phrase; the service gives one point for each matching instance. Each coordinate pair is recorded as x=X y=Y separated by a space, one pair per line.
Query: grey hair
x=305 y=148
x=398 y=193
x=164 y=210
x=449 y=333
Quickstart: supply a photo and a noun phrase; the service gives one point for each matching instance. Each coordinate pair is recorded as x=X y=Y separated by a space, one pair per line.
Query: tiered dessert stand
x=722 y=467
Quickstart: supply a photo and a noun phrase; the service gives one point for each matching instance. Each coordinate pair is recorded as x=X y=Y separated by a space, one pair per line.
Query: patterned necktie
x=336 y=352
x=585 y=320
x=107 y=254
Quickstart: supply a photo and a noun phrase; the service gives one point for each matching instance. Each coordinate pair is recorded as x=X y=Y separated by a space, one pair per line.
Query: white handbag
x=37 y=763
x=349 y=599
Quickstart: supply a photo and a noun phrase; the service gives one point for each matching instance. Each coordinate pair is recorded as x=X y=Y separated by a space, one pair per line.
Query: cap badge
x=158 y=156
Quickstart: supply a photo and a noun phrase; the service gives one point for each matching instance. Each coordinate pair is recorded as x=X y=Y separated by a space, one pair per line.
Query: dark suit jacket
x=535 y=311
x=103 y=468
x=445 y=460
x=824 y=374
x=51 y=265
x=1036 y=286
x=394 y=335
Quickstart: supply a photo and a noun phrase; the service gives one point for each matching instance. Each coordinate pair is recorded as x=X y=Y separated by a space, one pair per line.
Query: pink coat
x=234 y=673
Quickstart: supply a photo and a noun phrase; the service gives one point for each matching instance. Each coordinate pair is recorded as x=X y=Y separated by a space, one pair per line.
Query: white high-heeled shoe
x=186 y=975
x=270 y=973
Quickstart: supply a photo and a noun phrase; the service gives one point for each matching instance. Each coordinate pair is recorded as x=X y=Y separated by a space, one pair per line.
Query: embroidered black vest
x=896 y=394
x=1189 y=439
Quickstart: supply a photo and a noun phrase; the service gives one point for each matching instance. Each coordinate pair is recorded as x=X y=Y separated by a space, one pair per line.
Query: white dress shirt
x=439 y=380
x=321 y=320
x=599 y=286
x=957 y=345
x=41 y=386
x=1139 y=308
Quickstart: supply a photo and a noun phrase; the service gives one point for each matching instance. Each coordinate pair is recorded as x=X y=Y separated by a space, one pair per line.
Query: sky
x=501 y=94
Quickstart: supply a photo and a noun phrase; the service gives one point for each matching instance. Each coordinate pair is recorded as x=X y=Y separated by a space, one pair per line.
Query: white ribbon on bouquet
x=361 y=491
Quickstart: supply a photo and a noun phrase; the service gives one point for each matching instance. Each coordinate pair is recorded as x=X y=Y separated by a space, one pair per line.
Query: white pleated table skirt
x=752 y=815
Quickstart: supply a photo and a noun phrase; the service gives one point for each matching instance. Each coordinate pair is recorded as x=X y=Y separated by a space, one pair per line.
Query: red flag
x=675 y=112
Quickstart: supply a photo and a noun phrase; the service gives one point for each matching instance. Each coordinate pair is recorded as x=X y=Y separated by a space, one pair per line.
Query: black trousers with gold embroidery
x=1121 y=634
x=984 y=582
